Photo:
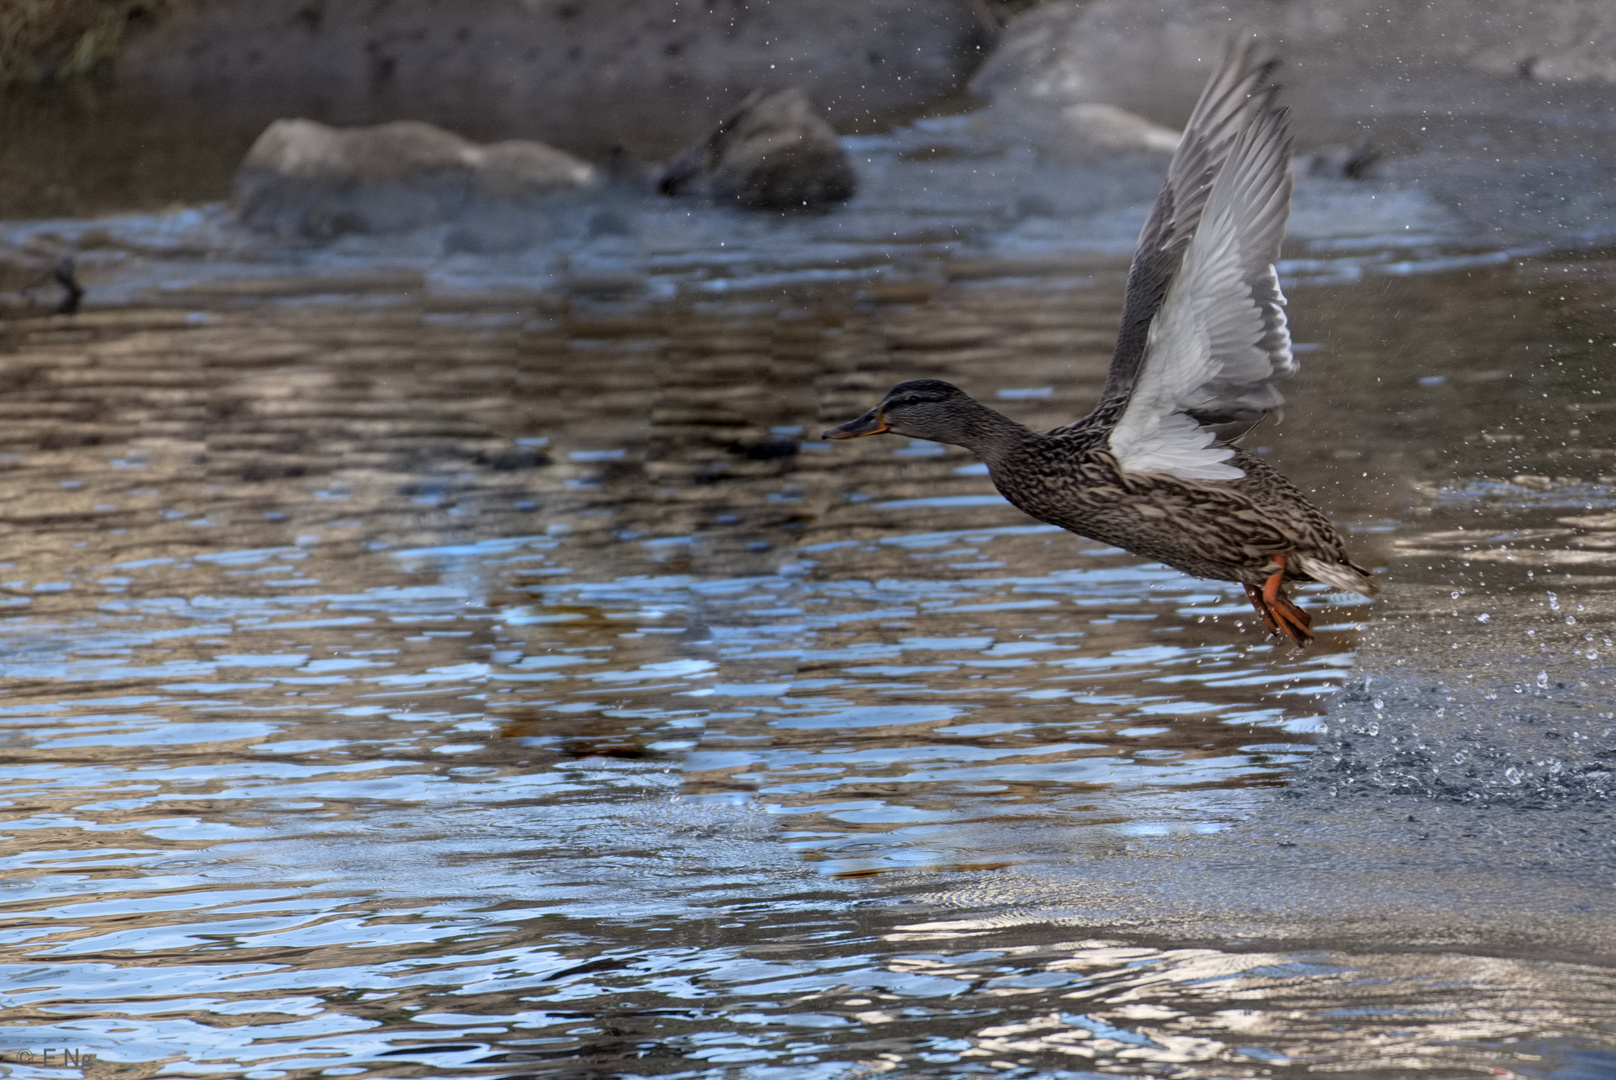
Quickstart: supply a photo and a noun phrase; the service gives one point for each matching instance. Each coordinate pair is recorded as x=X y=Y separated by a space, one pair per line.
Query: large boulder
x=774 y=152
x=303 y=178
x=1152 y=56
x=649 y=75
x=1496 y=108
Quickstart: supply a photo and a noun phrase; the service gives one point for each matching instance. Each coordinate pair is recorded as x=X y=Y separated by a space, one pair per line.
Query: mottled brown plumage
x=1203 y=337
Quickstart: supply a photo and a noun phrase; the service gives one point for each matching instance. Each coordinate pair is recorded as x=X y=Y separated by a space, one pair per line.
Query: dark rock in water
x=303 y=178
x=39 y=291
x=66 y=277
x=1341 y=161
x=774 y=152
x=769 y=448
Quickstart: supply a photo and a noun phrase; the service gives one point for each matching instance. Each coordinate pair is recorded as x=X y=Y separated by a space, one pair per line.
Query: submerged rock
x=1343 y=161
x=303 y=178
x=40 y=291
x=774 y=152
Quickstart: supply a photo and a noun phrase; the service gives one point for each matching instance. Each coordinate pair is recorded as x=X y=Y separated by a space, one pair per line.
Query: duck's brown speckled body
x=1229 y=531
x=1203 y=338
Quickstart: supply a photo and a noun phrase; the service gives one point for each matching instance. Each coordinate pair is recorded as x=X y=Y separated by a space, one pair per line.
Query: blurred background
x=140 y=103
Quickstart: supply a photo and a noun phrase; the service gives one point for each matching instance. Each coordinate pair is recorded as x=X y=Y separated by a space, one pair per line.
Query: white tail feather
x=1340 y=575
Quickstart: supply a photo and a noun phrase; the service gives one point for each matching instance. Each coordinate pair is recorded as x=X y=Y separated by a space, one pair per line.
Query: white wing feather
x=1220 y=336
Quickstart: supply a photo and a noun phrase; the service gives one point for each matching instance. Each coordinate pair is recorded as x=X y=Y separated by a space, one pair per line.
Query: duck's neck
x=988 y=433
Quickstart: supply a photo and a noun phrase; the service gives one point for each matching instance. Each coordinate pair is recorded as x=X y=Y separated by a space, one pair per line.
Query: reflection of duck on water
x=28 y=301
x=1203 y=337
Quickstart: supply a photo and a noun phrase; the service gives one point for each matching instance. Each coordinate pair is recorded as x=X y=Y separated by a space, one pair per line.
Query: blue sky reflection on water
x=432 y=680
x=222 y=786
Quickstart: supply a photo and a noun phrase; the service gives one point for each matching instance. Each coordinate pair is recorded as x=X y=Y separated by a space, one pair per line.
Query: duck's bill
x=871 y=423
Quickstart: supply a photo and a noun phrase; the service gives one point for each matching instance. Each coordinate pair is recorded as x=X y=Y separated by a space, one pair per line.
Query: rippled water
x=420 y=661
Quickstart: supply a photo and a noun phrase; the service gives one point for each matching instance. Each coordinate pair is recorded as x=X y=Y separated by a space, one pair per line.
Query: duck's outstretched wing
x=1241 y=87
x=1219 y=338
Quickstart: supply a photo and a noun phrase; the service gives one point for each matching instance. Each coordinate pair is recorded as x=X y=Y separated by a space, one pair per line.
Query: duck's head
x=921 y=409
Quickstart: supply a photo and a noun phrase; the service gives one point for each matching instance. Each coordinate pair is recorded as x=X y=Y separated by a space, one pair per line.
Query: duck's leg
x=1292 y=619
x=1254 y=594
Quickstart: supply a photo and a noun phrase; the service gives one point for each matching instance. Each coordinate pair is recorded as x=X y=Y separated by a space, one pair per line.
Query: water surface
x=423 y=660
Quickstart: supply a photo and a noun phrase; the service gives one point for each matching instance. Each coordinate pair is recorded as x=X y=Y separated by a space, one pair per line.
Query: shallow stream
x=421 y=658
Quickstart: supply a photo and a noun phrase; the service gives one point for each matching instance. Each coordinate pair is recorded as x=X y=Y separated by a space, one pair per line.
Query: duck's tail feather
x=1341 y=575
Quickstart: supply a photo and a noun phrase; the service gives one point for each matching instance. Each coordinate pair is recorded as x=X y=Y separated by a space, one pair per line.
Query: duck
x=1155 y=467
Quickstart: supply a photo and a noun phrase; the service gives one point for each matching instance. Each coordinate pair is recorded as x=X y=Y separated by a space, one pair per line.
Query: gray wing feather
x=1220 y=337
x=1259 y=194
x=1240 y=87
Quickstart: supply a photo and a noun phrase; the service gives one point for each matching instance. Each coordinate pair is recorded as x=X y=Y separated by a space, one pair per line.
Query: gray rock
x=29 y=289
x=1153 y=55
x=1494 y=109
x=650 y=75
x=1340 y=161
x=772 y=153
x=518 y=170
x=303 y=178
x=1095 y=127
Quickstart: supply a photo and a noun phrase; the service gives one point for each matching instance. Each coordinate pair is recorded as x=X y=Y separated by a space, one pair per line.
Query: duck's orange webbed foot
x=1254 y=594
x=1278 y=611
